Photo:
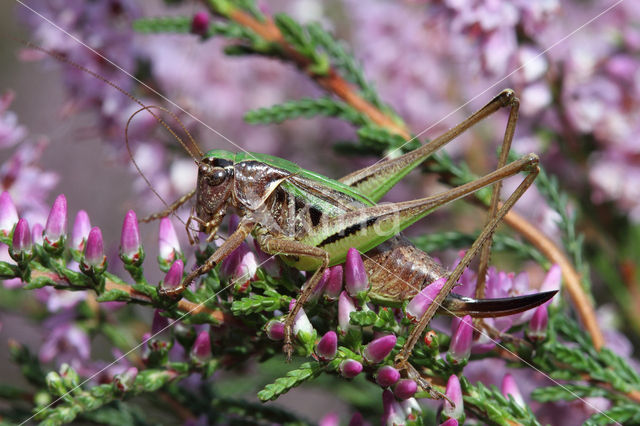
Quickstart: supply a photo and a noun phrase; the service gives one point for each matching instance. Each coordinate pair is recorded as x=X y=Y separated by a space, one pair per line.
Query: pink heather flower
x=460 y=346
x=377 y=350
x=454 y=393
x=301 y=323
x=168 y=244
x=405 y=388
x=66 y=342
x=333 y=287
x=125 y=381
x=327 y=346
x=174 y=275
x=80 y=232
x=350 y=368
x=275 y=330
x=10 y=131
x=355 y=276
x=36 y=233
x=411 y=408
x=8 y=213
x=266 y=261
x=510 y=388
x=160 y=324
x=387 y=376
x=56 y=226
x=201 y=350
x=130 y=237
x=421 y=301
x=345 y=307
x=552 y=280
x=330 y=419
x=538 y=324
x=393 y=414
x=319 y=288
x=21 y=242
x=239 y=267
x=200 y=23
x=94 y=251
x=356 y=419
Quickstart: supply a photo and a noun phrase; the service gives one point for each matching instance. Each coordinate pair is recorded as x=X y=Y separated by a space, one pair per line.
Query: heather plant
x=203 y=358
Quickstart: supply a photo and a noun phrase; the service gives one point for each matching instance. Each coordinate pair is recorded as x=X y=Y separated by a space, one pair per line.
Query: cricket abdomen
x=398 y=270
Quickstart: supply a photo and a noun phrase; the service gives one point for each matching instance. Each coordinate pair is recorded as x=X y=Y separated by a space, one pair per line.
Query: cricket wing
x=488 y=308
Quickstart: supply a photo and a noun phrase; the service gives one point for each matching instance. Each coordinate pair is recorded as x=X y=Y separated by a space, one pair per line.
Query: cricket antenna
x=124 y=92
x=144 y=107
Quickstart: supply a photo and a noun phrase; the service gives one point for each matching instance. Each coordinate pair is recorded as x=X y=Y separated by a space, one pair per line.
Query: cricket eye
x=216 y=176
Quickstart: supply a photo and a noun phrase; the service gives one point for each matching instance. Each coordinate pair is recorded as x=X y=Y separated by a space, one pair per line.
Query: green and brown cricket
x=310 y=221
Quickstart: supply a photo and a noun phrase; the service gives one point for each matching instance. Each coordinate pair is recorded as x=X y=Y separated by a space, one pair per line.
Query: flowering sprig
x=357 y=334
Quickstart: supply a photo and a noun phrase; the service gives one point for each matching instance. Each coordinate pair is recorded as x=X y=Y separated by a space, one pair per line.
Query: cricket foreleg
x=170 y=209
x=277 y=246
x=376 y=180
x=489 y=228
x=231 y=243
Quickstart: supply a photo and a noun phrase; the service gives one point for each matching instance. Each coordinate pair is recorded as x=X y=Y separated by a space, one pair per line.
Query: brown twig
x=334 y=83
x=217 y=317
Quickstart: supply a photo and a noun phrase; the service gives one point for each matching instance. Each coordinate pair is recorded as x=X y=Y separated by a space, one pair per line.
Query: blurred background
x=433 y=62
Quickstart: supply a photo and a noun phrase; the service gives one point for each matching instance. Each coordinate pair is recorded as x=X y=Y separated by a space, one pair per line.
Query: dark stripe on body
x=348 y=231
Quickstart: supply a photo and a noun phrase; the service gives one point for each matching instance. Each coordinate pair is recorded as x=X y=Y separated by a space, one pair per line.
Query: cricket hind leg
x=277 y=246
x=402 y=357
x=485 y=251
x=376 y=180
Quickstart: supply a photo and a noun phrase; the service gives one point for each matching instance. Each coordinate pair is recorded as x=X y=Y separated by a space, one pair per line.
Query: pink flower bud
x=393 y=414
x=356 y=419
x=330 y=419
x=333 y=286
x=200 y=23
x=460 y=346
x=345 y=307
x=124 y=382
x=454 y=393
x=8 y=213
x=421 y=301
x=450 y=422
x=378 y=349
x=168 y=244
x=173 y=278
x=36 y=233
x=327 y=346
x=159 y=324
x=350 y=368
x=387 y=376
x=405 y=388
x=21 y=242
x=538 y=324
x=355 y=276
x=275 y=330
x=130 y=237
x=56 y=226
x=301 y=323
x=94 y=251
x=80 y=232
x=510 y=388
x=201 y=350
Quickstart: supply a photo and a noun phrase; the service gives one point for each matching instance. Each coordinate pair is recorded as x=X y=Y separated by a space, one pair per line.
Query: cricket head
x=214 y=188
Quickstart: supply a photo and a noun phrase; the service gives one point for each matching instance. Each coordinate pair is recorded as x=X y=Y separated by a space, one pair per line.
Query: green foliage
x=306 y=108
x=293 y=379
x=496 y=408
